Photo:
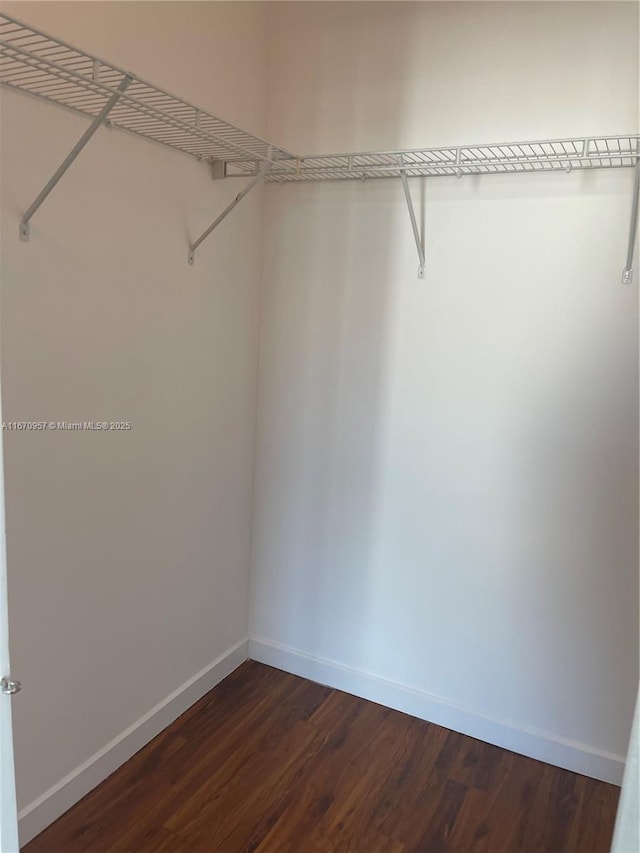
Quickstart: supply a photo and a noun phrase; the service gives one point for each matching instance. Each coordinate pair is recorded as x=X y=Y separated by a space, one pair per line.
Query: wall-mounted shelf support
x=45 y=67
x=627 y=275
x=252 y=183
x=25 y=227
x=414 y=225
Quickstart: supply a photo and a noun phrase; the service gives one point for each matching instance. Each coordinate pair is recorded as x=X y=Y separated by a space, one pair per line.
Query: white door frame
x=8 y=810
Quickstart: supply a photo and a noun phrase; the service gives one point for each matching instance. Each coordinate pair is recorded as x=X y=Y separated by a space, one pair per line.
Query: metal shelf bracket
x=40 y=65
x=252 y=183
x=627 y=275
x=25 y=222
x=414 y=224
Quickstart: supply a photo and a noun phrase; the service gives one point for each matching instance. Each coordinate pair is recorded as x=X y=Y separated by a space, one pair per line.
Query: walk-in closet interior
x=319 y=328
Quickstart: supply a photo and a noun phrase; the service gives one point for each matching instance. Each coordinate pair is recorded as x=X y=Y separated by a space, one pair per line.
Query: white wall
x=128 y=553
x=447 y=500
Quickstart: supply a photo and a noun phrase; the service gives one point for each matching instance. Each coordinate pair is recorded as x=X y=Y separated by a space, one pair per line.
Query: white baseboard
x=570 y=755
x=61 y=796
x=543 y=746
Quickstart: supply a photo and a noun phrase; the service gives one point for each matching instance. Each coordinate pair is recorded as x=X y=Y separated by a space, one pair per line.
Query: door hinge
x=9 y=686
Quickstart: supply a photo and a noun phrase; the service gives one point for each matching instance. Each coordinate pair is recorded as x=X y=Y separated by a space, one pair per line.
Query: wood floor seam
x=268 y=762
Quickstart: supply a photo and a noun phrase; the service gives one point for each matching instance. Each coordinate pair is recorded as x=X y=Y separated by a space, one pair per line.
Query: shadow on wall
x=575 y=479
x=327 y=324
x=441 y=464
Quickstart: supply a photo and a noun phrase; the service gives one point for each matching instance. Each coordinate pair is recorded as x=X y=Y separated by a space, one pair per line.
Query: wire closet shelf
x=548 y=155
x=47 y=68
x=52 y=70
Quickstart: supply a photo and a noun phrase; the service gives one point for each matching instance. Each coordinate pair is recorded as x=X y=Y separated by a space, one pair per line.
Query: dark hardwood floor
x=271 y=763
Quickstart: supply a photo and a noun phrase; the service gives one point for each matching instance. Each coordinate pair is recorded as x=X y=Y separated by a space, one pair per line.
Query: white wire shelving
x=47 y=68
x=547 y=155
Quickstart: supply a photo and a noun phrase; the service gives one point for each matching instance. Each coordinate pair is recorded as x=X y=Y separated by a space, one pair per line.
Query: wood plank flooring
x=271 y=763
